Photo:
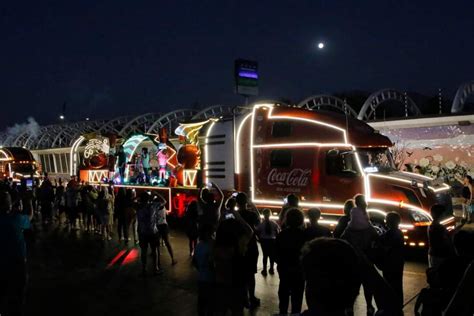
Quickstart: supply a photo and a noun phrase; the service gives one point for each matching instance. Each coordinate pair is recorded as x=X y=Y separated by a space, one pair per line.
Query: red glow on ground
x=131 y=257
x=115 y=259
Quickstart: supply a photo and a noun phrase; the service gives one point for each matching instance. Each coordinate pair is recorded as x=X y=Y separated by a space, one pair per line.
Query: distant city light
x=320 y=45
x=61 y=117
x=87 y=118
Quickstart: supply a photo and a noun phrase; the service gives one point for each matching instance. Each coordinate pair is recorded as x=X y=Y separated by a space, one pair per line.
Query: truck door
x=340 y=177
x=281 y=171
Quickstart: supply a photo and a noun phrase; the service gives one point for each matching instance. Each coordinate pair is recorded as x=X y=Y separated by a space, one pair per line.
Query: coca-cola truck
x=324 y=158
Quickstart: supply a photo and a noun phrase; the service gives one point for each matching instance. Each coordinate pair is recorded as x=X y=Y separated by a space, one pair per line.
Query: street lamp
x=320 y=45
x=61 y=117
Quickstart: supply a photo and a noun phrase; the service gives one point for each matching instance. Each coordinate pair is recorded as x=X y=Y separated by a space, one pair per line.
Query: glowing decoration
x=96 y=146
x=206 y=152
x=4 y=156
x=189 y=178
x=96 y=176
x=190 y=131
x=237 y=143
x=73 y=155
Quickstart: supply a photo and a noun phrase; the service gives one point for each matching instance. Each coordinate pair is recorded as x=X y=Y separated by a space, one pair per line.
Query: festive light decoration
x=237 y=143
x=4 y=156
x=73 y=155
x=206 y=152
x=96 y=176
x=189 y=177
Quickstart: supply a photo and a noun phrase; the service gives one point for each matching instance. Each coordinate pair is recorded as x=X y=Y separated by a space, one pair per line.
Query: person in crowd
x=103 y=210
x=163 y=229
x=14 y=228
x=209 y=207
x=27 y=200
x=121 y=162
x=445 y=278
x=46 y=200
x=191 y=223
x=72 y=203
x=332 y=276
x=109 y=195
x=461 y=303
x=333 y=272
x=362 y=236
x=314 y=229
x=468 y=198
x=291 y=201
x=252 y=218
x=345 y=219
x=288 y=250
x=439 y=241
x=148 y=234
x=391 y=244
x=90 y=208
x=267 y=232
x=131 y=215
x=145 y=164
x=232 y=236
x=59 y=201
x=120 y=206
x=202 y=260
x=229 y=207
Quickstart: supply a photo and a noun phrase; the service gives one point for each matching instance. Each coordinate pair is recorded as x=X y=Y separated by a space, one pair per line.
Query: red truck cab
x=326 y=158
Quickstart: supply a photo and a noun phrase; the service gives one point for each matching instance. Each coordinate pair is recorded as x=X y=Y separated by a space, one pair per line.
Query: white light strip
x=285 y=145
x=73 y=155
x=419 y=185
x=405 y=205
x=406 y=226
x=305 y=204
x=252 y=183
x=206 y=152
x=270 y=116
x=238 y=143
x=447 y=220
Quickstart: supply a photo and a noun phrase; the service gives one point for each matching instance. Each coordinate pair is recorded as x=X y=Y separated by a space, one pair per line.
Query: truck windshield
x=376 y=159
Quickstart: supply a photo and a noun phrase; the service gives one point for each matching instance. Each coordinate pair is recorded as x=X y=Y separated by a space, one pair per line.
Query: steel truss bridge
x=65 y=134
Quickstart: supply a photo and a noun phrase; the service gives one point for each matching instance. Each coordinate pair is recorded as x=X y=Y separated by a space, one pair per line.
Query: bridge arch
x=464 y=91
x=327 y=101
x=381 y=96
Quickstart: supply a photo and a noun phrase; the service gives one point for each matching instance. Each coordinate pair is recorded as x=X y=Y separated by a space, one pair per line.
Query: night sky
x=109 y=58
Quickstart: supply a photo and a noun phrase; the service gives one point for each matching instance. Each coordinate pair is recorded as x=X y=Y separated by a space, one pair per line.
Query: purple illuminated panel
x=247 y=74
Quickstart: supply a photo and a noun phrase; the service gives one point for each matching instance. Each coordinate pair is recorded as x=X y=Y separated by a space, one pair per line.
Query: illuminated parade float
x=267 y=150
x=17 y=163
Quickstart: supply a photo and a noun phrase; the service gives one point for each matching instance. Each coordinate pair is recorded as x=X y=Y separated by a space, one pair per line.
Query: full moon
x=320 y=45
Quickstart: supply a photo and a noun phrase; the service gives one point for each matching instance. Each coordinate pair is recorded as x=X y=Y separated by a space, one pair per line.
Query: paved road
x=79 y=274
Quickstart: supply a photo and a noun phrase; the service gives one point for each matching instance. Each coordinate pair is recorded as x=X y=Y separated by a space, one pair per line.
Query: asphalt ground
x=78 y=273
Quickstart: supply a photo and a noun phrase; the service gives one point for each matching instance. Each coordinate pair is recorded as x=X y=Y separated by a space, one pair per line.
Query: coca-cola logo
x=294 y=178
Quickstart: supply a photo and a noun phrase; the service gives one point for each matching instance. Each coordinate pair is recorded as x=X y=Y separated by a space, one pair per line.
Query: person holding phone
x=209 y=207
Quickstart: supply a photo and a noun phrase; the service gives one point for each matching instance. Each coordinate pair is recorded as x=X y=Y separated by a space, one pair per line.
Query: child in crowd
x=202 y=260
x=267 y=232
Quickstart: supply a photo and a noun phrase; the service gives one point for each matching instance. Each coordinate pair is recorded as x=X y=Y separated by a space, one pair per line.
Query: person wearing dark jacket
x=288 y=250
x=362 y=236
x=314 y=230
x=344 y=220
x=440 y=244
x=252 y=218
x=392 y=243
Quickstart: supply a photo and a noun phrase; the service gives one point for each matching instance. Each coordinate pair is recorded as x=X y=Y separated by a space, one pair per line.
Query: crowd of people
x=326 y=266
x=329 y=266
